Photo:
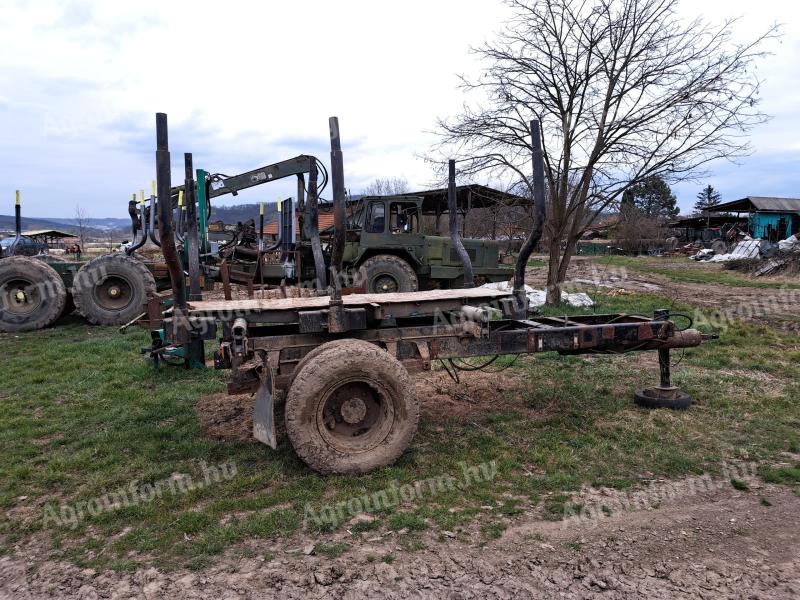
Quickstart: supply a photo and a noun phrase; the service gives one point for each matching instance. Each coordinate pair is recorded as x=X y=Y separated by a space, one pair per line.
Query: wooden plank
x=469 y=295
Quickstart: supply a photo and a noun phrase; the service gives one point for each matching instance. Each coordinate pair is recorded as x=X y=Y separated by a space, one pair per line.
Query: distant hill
x=7 y=223
x=106 y=224
x=98 y=227
x=95 y=228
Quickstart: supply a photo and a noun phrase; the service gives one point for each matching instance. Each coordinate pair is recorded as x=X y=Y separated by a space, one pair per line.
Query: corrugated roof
x=49 y=233
x=761 y=203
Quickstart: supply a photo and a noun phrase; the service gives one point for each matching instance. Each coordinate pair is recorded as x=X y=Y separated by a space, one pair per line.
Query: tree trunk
x=553 y=268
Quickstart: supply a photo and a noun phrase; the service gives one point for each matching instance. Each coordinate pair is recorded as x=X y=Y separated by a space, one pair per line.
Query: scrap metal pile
x=763 y=257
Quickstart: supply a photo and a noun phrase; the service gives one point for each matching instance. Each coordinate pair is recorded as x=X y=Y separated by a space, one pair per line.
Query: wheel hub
x=354 y=410
x=385 y=284
x=355 y=416
x=20 y=296
x=113 y=293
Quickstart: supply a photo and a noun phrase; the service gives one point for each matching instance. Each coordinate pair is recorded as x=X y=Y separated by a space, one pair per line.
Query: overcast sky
x=250 y=83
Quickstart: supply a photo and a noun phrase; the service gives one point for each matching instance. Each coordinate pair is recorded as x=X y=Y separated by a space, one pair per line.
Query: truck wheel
x=32 y=294
x=112 y=289
x=351 y=409
x=387 y=274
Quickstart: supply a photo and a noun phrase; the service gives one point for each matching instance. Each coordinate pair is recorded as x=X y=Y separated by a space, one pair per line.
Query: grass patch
x=407 y=520
x=739 y=485
x=333 y=550
x=785 y=475
x=84 y=416
x=682 y=270
x=492 y=531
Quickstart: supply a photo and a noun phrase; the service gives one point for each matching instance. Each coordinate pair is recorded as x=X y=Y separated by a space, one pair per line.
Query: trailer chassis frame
x=262 y=357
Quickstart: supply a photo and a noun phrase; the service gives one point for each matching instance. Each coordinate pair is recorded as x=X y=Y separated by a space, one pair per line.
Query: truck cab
x=387 y=243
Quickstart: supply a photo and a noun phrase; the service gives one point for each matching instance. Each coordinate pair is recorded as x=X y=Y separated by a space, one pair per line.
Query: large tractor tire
x=32 y=294
x=387 y=274
x=351 y=408
x=112 y=289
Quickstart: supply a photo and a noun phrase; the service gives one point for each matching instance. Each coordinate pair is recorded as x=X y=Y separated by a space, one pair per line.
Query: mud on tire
x=386 y=274
x=112 y=289
x=32 y=294
x=351 y=408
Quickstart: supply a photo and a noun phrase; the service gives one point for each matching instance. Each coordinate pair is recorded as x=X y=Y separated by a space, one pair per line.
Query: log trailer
x=344 y=360
x=384 y=251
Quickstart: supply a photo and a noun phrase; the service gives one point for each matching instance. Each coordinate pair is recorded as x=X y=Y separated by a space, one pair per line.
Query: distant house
x=765 y=218
x=325 y=221
x=54 y=238
x=707 y=227
x=768 y=218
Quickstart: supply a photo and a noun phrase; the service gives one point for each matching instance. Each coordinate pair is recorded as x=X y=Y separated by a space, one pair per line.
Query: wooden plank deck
x=469 y=296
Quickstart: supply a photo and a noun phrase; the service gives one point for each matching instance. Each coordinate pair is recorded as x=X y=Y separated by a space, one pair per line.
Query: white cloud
x=248 y=83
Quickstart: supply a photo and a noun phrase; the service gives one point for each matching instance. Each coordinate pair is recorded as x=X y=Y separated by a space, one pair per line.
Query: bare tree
x=82 y=223
x=638 y=231
x=386 y=186
x=624 y=89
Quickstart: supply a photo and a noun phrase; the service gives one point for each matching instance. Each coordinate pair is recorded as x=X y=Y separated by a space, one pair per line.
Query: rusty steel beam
x=312 y=227
x=165 y=230
x=455 y=239
x=337 y=181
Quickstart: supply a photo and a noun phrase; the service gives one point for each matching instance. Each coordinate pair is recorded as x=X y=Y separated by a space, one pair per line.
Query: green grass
x=84 y=416
x=683 y=270
x=739 y=484
x=787 y=475
x=332 y=550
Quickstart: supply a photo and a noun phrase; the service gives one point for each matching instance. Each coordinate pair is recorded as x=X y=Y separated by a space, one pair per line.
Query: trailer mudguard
x=264 y=411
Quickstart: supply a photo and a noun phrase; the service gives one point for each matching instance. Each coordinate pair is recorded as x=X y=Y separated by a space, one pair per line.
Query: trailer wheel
x=32 y=294
x=654 y=398
x=112 y=289
x=387 y=274
x=351 y=408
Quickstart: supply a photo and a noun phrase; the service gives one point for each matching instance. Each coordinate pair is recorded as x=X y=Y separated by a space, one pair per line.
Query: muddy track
x=721 y=543
x=772 y=305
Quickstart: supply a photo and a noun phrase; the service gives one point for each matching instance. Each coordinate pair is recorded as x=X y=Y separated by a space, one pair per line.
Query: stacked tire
x=32 y=294
x=112 y=289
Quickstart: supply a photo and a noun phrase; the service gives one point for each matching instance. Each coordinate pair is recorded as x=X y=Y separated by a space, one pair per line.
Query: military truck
x=386 y=250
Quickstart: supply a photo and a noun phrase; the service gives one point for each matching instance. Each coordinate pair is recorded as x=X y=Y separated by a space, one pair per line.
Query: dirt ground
x=701 y=541
x=225 y=417
x=711 y=541
x=771 y=305
x=715 y=543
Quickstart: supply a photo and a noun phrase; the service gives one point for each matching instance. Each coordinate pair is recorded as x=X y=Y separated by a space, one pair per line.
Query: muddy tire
x=387 y=274
x=112 y=289
x=649 y=398
x=32 y=294
x=351 y=408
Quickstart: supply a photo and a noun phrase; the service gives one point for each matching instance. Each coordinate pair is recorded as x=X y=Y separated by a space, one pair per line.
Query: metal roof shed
x=771 y=218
